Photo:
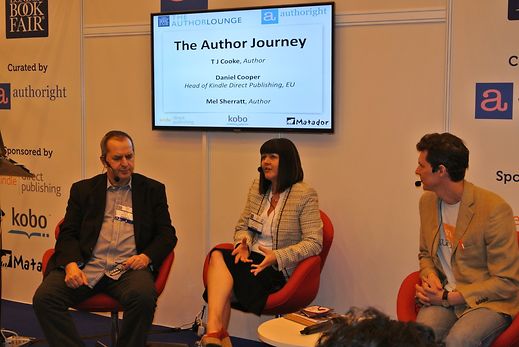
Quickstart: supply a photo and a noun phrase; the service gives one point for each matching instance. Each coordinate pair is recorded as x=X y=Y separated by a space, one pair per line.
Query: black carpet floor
x=21 y=319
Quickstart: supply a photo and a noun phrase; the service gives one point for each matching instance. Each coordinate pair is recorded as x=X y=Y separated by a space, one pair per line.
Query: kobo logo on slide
x=494 y=100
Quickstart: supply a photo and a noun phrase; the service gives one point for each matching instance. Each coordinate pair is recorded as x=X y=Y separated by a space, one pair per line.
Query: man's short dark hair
x=290 y=170
x=374 y=329
x=118 y=134
x=447 y=150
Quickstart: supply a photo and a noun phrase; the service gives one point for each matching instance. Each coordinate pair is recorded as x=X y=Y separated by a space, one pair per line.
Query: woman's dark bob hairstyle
x=290 y=170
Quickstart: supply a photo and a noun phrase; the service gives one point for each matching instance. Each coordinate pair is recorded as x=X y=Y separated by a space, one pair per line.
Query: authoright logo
x=47 y=92
x=5 y=96
x=494 y=100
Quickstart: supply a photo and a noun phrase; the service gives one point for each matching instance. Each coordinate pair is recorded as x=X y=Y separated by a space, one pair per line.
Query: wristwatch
x=445 y=298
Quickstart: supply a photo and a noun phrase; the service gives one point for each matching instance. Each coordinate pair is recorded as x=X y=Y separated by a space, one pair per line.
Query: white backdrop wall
x=390 y=77
x=390 y=89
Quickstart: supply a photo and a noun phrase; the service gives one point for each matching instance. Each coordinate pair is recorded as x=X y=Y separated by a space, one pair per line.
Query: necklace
x=273 y=202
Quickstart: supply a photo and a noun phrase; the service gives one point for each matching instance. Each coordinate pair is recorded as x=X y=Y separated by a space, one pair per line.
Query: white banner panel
x=484 y=82
x=40 y=121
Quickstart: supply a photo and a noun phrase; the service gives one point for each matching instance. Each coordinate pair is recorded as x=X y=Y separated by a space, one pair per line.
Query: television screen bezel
x=230 y=128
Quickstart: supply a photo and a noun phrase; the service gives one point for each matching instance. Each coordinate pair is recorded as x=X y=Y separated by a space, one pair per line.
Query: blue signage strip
x=182 y=5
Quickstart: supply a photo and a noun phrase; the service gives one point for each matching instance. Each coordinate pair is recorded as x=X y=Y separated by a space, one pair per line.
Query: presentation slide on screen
x=257 y=68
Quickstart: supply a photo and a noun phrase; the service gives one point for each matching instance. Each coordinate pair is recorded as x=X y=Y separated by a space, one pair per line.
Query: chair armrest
x=510 y=336
x=406 y=308
x=164 y=270
x=300 y=289
x=45 y=260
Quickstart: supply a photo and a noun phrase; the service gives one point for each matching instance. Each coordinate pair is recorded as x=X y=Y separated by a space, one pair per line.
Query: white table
x=282 y=332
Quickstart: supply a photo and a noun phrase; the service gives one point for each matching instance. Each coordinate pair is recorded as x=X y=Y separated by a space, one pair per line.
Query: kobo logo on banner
x=494 y=100
x=26 y=18
x=5 y=96
x=25 y=223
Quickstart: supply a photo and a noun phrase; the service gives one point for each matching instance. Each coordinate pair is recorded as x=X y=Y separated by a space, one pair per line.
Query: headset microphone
x=260 y=169
x=116 y=177
x=418 y=183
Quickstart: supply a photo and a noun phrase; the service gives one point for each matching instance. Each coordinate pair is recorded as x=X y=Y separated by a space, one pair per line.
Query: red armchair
x=303 y=285
x=406 y=310
x=104 y=303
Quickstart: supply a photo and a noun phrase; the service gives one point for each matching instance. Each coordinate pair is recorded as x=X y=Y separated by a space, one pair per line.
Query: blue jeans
x=479 y=327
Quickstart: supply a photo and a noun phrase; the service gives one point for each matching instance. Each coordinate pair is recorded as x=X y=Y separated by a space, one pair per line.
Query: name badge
x=255 y=224
x=124 y=214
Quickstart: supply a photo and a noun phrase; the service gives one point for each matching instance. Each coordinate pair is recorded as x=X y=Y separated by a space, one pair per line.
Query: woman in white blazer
x=279 y=226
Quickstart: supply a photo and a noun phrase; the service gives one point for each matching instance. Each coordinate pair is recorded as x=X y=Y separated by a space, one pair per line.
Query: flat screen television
x=264 y=68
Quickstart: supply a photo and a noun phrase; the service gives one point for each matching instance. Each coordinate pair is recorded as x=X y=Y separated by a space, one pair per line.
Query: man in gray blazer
x=115 y=234
x=469 y=258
